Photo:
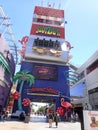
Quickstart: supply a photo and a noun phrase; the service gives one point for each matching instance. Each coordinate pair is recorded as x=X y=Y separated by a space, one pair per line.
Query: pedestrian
x=77 y=117
x=50 y=119
x=72 y=117
x=56 y=119
x=6 y=115
x=22 y=116
x=3 y=114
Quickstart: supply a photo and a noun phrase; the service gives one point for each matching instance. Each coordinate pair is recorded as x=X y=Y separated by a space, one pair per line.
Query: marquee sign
x=45 y=90
x=49 y=12
x=47 y=43
x=49 y=31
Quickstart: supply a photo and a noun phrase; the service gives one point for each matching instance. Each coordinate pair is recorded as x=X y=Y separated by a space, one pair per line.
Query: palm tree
x=21 y=77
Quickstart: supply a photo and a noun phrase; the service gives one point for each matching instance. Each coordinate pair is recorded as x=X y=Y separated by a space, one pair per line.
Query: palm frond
x=29 y=78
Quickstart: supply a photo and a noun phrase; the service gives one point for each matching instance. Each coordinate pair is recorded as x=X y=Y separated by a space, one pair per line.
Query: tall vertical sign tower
x=45 y=59
x=47 y=35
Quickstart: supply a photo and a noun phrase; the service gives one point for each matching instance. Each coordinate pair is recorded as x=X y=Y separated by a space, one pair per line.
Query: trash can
x=27 y=119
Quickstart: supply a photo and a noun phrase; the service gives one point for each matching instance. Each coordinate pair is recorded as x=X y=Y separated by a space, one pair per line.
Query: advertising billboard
x=45 y=72
x=90 y=120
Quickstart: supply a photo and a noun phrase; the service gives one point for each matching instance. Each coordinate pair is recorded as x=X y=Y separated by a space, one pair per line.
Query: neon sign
x=48 y=31
x=45 y=90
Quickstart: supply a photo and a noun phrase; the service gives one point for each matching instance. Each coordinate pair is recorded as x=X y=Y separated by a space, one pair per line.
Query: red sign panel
x=45 y=90
x=49 y=12
x=49 y=31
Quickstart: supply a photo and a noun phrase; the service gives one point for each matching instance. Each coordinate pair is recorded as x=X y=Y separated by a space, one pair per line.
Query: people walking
x=56 y=119
x=50 y=119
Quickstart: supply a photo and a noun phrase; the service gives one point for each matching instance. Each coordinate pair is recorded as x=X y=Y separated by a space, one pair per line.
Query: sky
x=81 y=29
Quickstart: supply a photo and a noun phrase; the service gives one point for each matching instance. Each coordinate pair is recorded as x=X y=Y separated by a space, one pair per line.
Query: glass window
x=92 y=67
x=93 y=97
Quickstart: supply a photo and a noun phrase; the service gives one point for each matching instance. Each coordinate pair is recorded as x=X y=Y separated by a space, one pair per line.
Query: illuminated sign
x=49 y=31
x=45 y=90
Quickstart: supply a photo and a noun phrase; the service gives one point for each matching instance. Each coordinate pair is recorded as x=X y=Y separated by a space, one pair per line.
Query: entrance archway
x=40 y=111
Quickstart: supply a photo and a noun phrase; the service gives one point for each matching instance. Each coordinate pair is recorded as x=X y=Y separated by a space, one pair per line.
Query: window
x=81 y=75
x=92 y=67
x=40 y=20
x=93 y=98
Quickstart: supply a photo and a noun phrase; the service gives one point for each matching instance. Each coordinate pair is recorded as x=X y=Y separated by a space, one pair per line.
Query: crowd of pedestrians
x=52 y=118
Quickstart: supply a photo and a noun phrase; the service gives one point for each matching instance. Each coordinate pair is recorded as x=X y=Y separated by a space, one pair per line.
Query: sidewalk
x=16 y=125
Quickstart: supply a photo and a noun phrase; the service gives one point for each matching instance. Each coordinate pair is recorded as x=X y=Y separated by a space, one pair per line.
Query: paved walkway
x=16 y=125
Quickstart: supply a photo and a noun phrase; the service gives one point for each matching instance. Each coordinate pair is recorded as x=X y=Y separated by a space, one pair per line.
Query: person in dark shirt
x=56 y=119
x=22 y=117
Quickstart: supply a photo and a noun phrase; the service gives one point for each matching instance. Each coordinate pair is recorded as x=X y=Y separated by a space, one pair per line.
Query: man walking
x=56 y=119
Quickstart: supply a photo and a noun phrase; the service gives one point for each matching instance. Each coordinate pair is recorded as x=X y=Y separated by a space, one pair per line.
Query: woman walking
x=50 y=118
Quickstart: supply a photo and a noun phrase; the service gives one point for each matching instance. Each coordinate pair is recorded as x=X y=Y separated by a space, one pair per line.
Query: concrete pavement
x=17 y=125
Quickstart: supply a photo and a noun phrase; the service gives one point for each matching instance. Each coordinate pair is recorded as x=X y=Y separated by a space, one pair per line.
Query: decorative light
x=26 y=102
x=16 y=95
x=60 y=111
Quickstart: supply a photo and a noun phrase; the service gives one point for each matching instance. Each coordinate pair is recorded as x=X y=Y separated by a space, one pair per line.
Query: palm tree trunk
x=20 y=100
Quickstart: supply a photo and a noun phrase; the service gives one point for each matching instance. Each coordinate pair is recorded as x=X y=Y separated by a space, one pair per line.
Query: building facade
x=7 y=69
x=8 y=59
x=87 y=77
